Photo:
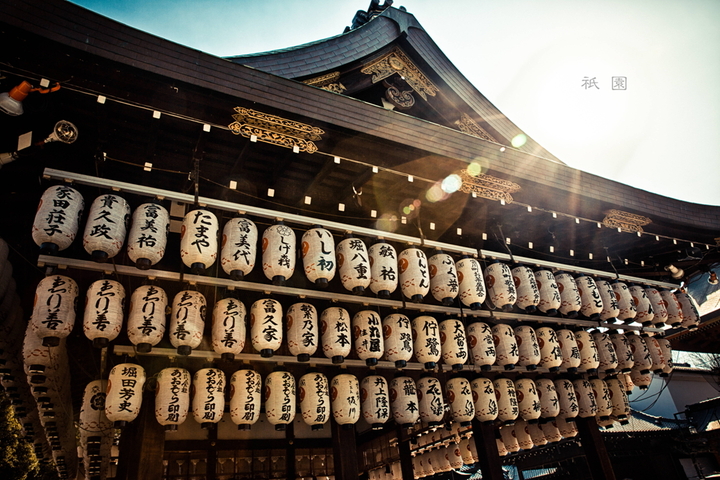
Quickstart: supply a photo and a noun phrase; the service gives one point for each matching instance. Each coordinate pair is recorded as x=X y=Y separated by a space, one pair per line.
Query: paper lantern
x=550 y=353
x=591 y=302
x=500 y=285
x=472 y=285
x=106 y=227
x=404 y=401
x=93 y=421
x=198 y=240
x=603 y=399
x=506 y=398
x=587 y=406
x=208 y=400
x=547 y=394
x=623 y=351
x=278 y=253
x=508 y=438
x=567 y=399
x=569 y=350
x=482 y=345
x=618 y=398
x=506 y=348
x=443 y=278
x=673 y=307
x=302 y=330
x=453 y=343
x=368 y=339
x=645 y=313
x=187 y=321
x=657 y=359
x=611 y=308
x=566 y=429
x=148 y=235
x=57 y=219
x=550 y=300
x=453 y=454
x=414 y=274
x=502 y=451
x=430 y=401
x=459 y=395
x=397 y=336
x=172 y=397
x=528 y=347
x=383 y=269
x=318 y=255
x=627 y=382
x=146 y=320
x=641 y=353
x=280 y=399
x=691 y=317
x=440 y=462
x=536 y=435
x=353 y=265
x=124 y=393
x=314 y=395
x=640 y=379
x=551 y=432
x=246 y=396
x=104 y=303
x=625 y=301
x=426 y=340
x=239 y=247
x=266 y=326
x=53 y=315
x=228 y=327
x=335 y=331
x=528 y=399
x=375 y=401
x=345 y=398
x=667 y=354
x=522 y=433
x=589 y=359
x=528 y=294
x=483 y=392
x=570 y=302
x=658 y=306
x=468 y=451
x=606 y=352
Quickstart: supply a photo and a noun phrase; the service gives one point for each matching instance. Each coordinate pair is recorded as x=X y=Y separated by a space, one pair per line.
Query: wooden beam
x=490 y=465
x=344 y=452
x=406 y=465
x=142 y=445
x=595 y=450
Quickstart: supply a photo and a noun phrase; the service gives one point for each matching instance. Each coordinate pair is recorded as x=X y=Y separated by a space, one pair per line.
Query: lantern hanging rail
x=117 y=186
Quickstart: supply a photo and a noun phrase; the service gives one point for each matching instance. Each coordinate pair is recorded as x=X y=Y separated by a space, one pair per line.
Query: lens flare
x=474 y=169
x=435 y=194
x=519 y=140
x=451 y=183
x=386 y=223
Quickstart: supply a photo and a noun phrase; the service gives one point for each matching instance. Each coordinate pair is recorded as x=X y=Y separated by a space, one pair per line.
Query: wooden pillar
x=595 y=450
x=344 y=452
x=142 y=445
x=290 y=452
x=404 y=446
x=490 y=465
x=212 y=453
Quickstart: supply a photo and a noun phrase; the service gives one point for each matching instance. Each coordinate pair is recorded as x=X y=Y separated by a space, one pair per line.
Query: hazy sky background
x=529 y=58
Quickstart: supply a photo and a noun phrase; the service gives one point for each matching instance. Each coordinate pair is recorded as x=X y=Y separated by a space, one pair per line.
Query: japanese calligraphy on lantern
x=198 y=239
x=106 y=227
x=148 y=235
x=228 y=327
x=239 y=247
x=57 y=219
x=146 y=321
x=103 y=316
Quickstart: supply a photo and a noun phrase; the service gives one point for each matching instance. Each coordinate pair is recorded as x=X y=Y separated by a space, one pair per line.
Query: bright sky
x=529 y=58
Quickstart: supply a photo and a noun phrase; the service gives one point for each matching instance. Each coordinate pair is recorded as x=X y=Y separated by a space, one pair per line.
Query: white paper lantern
x=239 y=247
x=667 y=354
x=187 y=321
x=657 y=359
x=500 y=285
x=606 y=352
x=440 y=462
x=124 y=393
x=626 y=380
x=453 y=343
x=368 y=339
x=506 y=398
x=414 y=274
x=104 y=303
x=603 y=399
x=453 y=454
x=172 y=397
x=673 y=307
x=383 y=269
x=528 y=294
x=567 y=429
x=658 y=306
x=266 y=332
x=106 y=227
x=430 y=401
x=547 y=394
x=528 y=399
x=691 y=317
x=611 y=308
x=345 y=397
x=459 y=395
x=208 y=400
x=426 y=340
x=148 y=235
x=404 y=401
x=550 y=353
x=335 y=331
x=550 y=299
x=551 y=432
x=397 y=336
x=93 y=421
x=486 y=406
x=640 y=379
x=641 y=353
x=569 y=350
x=502 y=451
x=246 y=397
x=625 y=301
x=623 y=351
x=146 y=320
x=278 y=253
x=228 y=327
x=618 y=397
x=589 y=359
x=302 y=330
x=567 y=399
x=590 y=299
x=472 y=284
x=57 y=219
x=53 y=315
x=443 y=278
x=375 y=401
x=353 y=265
x=645 y=313
x=506 y=348
x=536 y=435
x=528 y=347
x=482 y=345
x=280 y=399
x=522 y=433
x=507 y=434
x=467 y=448
x=318 y=255
x=587 y=406
x=314 y=395
x=199 y=239
x=569 y=294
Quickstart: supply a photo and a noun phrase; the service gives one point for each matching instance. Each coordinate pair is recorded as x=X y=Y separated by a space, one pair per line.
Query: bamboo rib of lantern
x=51 y=173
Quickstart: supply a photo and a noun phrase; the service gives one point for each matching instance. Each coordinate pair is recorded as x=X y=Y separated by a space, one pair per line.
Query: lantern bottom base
x=383 y=294
x=610 y=371
x=664 y=374
x=554 y=369
x=99 y=256
x=197 y=268
x=625 y=422
x=171 y=428
x=184 y=350
x=510 y=366
x=347 y=426
x=143 y=264
x=278 y=280
x=573 y=314
x=416 y=298
x=207 y=426
x=337 y=359
x=591 y=371
x=675 y=325
x=303 y=357
x=321 y=283
x=572 y=370
x=646 y=324
x=531 y=309
x=644 y=372
x=531 y=368
x=475 y=306
x=465 y=424
x=228 y=356
x=611 y=320
x=36 y=368
x=267 y=352
x=551 y=312
x=47 y=248
x=316 y=427
x=100 y=342
x=51 y=341
x=400 y=363
x=569 y=419
x=143 y=347
x=605 y=418
x=659 y=325
x=280 y=427
x=237 y=275
x=377 y=426
x=448 y=301
x=507 y=308
x=457 y=367
x=358 y=290
x=120 y=424
x=434 y=424
x=371 y=362
x=485 y=368
x=533 y=421
x=244 y=426
x=544 y=420
x=430 y=365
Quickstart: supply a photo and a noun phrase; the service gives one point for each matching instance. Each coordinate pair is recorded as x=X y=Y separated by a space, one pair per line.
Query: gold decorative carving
x=275 y=130
x=625 y=221
x=327 y=82
x=397 y=62
x=469 y=126
x=487 y=186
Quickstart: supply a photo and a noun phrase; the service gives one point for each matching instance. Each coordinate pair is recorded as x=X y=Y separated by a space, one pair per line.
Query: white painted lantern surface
x=483 y=392
x=57 y=219
x=414 y=274
x=691 y=317
x=626 y=380
x=453 y=343
x=567 y=429
x=454 y=454
x=482 y=345
x=603 y=398
x=103 y=318
x=318 y=255
x=528 y=347
x=147 y=238
x=528 y=294
x=187 y=321
x=278 y=253
x=507 y=434
x=551 y=432
x=467 y=446
x=645 y=313
x=550 y=353
x=397 y=336
x=658 y=306
x=345 y=397
x=590 y=299
x=199 y=239
x=528 y=399
x=383 y=269
x=506 y=348
x=506 y=398
x=569 y=350
x=673 y=307
x=368 y=337
x=228 y=327
x=426 y=340
x=440 y=461
x=502 y=451
x=547 y=394
x=641 y=353
x=550 y=300
x=459 y=395
x=375 y=400
x=53 y=315
x=589 y=359
x=353 y=265
x=472 y=284
x=657 y=359
x=146 y=320
x=606 y=352
x=611 y=308
x=640 y=379
x=124 y=392
x=93 y=421
x=623 y=351
x=431 y=403
x=172 y=397
x=266 y=333
x=587 y=406
x=618 y=398
x=238 y=247
x=245 y=398
x=443 y=278
x=302 y=330
x=404 y=401
x=335 y=331
x=570 y=301
x=628 y=312
x=567 y=398
x=501 y=293
x=280 y=399
x=522 y=433
x=536 y=435
x=106 y=227
x=208 y=400
x=314 y=395
x=667 y=354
